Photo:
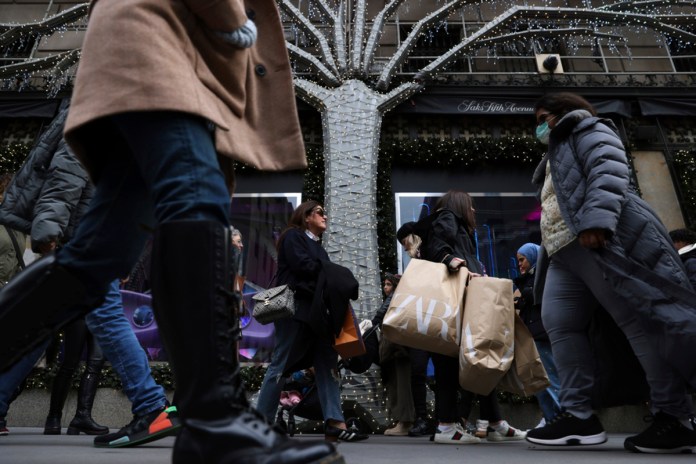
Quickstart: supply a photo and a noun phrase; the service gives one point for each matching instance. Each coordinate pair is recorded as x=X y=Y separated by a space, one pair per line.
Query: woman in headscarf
x=531 y=315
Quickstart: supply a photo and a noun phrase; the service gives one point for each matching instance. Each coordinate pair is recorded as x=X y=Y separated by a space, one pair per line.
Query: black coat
x=530 y=313
x=323 y=291
x=445 y=237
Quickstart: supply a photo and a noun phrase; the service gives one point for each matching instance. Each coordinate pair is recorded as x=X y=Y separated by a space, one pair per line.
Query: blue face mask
x=542 y=132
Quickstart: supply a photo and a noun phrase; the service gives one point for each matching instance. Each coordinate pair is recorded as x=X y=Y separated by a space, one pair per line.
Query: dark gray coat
x=50 y=192
x=591 y=178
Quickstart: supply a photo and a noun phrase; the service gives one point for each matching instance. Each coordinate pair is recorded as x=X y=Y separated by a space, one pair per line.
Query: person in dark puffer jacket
x=602 y=244
x=45 y=201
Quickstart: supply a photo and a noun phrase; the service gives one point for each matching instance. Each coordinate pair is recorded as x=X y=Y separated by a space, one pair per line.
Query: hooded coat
x=591 y=177
x=50 y=192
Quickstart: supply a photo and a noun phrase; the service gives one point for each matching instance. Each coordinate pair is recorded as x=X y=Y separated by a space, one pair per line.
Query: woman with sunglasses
x=299 y=263
x=602 y=244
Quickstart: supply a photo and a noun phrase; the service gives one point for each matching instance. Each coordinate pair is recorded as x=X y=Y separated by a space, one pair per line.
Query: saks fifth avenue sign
x=495 y=107
x=453 y=104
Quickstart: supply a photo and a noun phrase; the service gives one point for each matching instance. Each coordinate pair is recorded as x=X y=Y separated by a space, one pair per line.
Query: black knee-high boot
x=37 y=303
x=83 y=421
x=59 y=392
x=192 y=278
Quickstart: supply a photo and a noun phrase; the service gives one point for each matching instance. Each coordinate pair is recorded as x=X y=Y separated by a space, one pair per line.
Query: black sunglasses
x=320 y=212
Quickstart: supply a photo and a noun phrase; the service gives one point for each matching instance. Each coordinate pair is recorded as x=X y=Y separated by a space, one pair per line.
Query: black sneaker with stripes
x=332 y=433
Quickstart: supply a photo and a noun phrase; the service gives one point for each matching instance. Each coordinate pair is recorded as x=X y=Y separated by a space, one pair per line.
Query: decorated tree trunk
x=352 y=124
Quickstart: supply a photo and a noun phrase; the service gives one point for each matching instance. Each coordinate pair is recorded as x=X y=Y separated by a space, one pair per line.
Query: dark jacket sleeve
x=603 y=160
x=379 y=315
x=60 y=195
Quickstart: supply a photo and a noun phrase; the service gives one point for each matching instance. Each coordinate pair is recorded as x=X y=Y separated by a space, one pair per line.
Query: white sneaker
x=481 y=428
x=456 y=436
x=511 y=434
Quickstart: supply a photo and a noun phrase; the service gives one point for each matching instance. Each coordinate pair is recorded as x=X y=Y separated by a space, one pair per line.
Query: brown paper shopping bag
x=349 y=342
x=527 y=375
x=426 y=309
x=487 y=334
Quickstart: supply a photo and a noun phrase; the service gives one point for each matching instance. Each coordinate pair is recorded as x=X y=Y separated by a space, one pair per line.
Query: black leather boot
x=35 y=304
x=59 y=392
x=83 y=421
x=192 y=278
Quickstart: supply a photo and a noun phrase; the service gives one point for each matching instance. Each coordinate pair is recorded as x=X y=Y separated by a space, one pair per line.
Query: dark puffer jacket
x=50 y=192
x=591 y=178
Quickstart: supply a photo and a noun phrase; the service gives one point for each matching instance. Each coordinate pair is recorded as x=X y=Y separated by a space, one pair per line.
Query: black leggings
x=76 y=335
x=447 y=390
x=419 y=368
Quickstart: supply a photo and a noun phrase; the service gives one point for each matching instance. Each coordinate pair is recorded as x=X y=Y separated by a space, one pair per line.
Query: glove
x=243 y=37
x=365 y=325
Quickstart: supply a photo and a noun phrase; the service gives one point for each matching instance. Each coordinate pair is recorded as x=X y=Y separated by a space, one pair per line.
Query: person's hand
x=243 y=37
x=456 y=263
x=46 y=247
x=593 y=238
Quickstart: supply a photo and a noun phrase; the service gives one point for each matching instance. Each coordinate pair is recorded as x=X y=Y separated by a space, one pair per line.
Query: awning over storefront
x=667 y=107
x=456 y=104
x=28 y=108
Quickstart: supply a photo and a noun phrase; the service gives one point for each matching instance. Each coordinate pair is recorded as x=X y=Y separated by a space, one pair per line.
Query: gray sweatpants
x=574 y=285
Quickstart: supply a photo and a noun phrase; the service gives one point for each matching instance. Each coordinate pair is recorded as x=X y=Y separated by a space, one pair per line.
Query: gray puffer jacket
x=591 y=178
x=50 y=192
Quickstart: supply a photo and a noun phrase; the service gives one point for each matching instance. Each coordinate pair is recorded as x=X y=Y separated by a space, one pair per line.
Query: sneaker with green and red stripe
x=3 y=427
x=143 y=429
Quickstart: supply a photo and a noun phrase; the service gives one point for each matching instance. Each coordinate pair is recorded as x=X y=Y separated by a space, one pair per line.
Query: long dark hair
x=461 y=204
x=564 y=102
x=297 y=218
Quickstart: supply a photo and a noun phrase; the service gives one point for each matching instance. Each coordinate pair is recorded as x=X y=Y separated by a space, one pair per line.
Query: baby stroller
x=300 y=397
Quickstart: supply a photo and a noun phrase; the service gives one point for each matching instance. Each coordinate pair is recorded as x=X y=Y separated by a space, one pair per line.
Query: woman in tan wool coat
x=163 y=88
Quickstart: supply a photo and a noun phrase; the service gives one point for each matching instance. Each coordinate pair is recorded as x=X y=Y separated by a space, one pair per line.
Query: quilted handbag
x=273 y=304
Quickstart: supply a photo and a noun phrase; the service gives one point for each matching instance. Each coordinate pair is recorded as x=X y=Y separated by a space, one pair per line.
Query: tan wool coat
x=144 y=55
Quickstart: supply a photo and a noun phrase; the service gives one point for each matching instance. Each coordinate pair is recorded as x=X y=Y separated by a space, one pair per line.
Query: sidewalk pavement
x=27 y=445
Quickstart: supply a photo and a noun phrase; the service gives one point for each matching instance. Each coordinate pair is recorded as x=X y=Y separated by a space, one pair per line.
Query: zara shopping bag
x=488 y=330
x=527 y=375
x=349 y=342
x=426 y=309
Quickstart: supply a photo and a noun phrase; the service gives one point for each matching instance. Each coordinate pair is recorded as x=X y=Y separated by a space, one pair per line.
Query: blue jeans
x=154 y=167
x=11 y=379
x=326 y=376
x=115 y=336
x=548 y=398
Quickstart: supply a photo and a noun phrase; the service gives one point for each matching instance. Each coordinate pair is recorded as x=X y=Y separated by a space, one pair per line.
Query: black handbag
x=273 y=304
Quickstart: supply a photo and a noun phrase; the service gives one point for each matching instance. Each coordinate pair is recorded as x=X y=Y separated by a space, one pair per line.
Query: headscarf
x=531 y=252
